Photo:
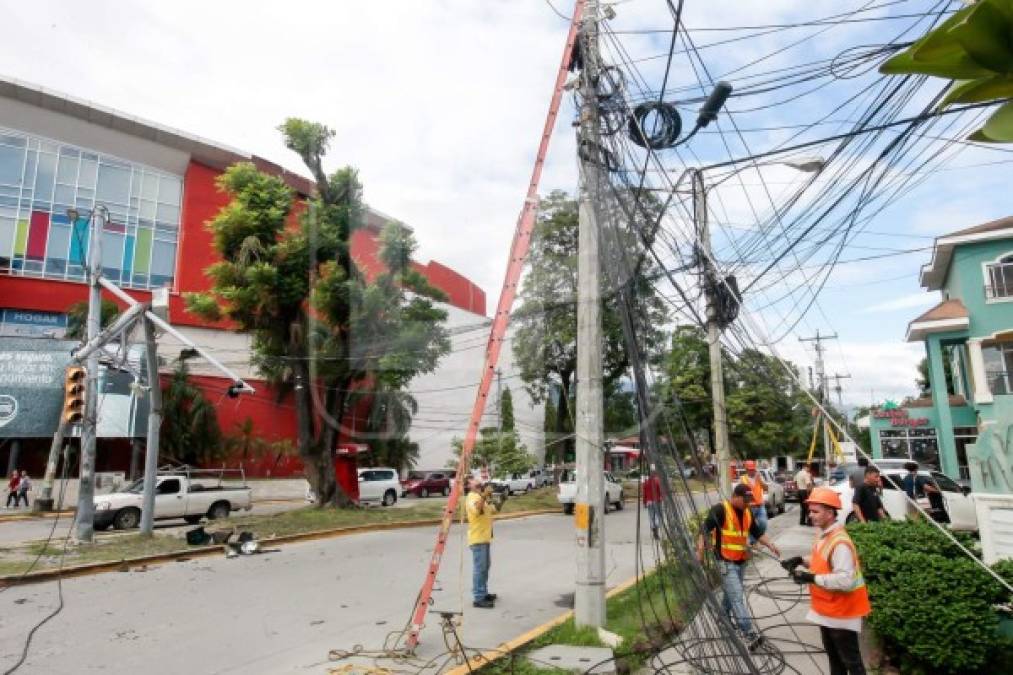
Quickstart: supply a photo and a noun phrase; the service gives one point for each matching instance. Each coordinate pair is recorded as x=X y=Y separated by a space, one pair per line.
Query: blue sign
x=28 y=323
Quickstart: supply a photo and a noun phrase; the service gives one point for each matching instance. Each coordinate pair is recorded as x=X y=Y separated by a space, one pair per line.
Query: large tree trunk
x=334 y=406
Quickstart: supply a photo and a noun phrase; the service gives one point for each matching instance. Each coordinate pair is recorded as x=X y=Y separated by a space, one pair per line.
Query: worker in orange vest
x=836 y=588
x=754 y=480
x=728 y=526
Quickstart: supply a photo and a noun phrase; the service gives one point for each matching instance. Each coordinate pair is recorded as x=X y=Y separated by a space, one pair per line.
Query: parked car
x=957 y=501
x=567 y=493
x=177 y=495
x=774 y=495
x=425 y=483
x=541 y=477
x=379 y=484
x=513 y=483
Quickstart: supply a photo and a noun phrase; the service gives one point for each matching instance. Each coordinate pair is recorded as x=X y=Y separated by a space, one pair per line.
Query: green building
x=966 y=426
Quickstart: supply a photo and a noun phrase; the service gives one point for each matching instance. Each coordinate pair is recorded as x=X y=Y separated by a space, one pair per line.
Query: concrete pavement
x=282 y=612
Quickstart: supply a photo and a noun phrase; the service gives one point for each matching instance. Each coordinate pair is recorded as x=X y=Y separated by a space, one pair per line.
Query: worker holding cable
x=728 y=526
x=480 y=505
x=754 y=480
x=836 y=588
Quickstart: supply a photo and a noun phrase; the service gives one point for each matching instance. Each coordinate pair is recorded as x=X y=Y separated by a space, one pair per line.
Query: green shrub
x=931 y=604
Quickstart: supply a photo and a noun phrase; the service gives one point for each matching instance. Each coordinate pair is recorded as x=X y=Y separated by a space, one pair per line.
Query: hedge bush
x=931 y=604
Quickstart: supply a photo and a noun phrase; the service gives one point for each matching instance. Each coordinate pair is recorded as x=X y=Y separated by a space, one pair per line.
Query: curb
x=491 y=655
x=124 y=564
x=36 y=515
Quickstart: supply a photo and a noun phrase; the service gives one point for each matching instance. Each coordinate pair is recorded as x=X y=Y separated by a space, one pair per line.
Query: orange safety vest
x=850 y=604
x=755 y=486
x=734 y=534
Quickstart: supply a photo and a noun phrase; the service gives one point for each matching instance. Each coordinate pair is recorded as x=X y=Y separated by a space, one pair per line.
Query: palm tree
x=77 y=317
x=246 y=439
x=190 y=433
x=387 y=426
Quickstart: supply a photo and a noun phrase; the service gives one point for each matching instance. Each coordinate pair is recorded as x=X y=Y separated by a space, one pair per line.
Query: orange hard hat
x=750 y=464
x=825 y=496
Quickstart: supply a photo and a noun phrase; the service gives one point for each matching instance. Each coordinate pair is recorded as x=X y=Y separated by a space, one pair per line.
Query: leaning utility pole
x=89 y=427
x=721 y=445
x=824 y=394
x=589 y=509
x=154 y=427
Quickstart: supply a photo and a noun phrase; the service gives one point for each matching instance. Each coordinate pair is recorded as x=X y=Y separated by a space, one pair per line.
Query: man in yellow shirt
x=480 y=507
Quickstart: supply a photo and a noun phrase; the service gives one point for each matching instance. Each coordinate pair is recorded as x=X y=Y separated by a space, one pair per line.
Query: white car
x=177 y=495
x=379 y=485
x=773 y=497
x=567 y=494
x=515 y=482
x=542 y=477
x=958 y=502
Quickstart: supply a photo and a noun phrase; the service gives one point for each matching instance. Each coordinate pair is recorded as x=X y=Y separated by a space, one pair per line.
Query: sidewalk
x=778 y=606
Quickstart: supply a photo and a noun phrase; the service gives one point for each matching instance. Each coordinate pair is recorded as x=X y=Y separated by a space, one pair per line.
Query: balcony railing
x=1001 y=277
x=999 y=381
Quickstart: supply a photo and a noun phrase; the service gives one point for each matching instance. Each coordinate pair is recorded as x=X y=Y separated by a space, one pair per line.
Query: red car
x=425 y=483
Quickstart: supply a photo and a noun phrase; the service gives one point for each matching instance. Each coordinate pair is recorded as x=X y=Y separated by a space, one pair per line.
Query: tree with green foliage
x=190 y=433
x=319 y=325
x=77 y=317
x=685 y=386
x=506 y=410
x=501 y=453
x=545 y=341
x=973 y=46
x=246 y=440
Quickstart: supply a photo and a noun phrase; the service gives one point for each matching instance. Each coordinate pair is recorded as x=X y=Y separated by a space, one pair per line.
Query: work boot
x=654 y=531
x=491 y=597
x=755 y=642
x=485 y=603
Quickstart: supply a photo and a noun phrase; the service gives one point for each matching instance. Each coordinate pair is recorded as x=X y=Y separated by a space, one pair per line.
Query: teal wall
x=966 y=281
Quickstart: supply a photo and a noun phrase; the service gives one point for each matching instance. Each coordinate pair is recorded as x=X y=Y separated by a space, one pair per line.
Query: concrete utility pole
x=89 y=427
x=824 y=394
x=837 y=377
x=154 y=425
x=721 y=445
x=589 y=599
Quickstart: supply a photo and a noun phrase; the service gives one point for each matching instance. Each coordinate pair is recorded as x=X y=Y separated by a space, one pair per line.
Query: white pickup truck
x=567 y=494
x=177 y=495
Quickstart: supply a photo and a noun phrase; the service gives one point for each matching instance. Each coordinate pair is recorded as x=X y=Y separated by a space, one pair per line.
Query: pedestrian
x=856 y=476
x=804 y=483
x=838 y=597
x=23 y=487
x=754 y=481
x=480 y=507
x=12 y=489
x=652 y=500
x=916 y=486
x=866 y=503
x=727 y=527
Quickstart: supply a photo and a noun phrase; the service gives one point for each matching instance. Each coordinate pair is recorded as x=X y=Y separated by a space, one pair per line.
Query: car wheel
x=389 y=498
x=219 y=510
x=619 y=504
x=446 y=491
x=423 y=492
x=568 y=509
x=192 y=520
x=127 y=519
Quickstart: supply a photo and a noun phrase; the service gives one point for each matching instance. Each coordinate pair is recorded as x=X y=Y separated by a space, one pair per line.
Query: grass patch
x=116 y=547
x=643 y=615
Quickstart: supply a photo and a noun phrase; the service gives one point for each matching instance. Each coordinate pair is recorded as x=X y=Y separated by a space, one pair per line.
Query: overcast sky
x=439 y=104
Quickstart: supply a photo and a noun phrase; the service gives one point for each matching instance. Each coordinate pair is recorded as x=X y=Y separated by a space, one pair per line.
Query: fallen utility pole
x=589 y=503
x=497 y=333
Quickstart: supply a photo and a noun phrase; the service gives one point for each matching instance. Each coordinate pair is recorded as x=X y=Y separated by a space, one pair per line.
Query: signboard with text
x=899 y=417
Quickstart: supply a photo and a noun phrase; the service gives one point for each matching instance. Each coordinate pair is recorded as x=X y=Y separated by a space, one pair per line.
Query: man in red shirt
x=12 y=485
x=652 y=500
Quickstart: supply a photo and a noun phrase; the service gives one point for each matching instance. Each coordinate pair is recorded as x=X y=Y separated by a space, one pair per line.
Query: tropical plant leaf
x=939 y=43
x=999 y=127
x=975 y=91
x=984 y=34
x=954 y=66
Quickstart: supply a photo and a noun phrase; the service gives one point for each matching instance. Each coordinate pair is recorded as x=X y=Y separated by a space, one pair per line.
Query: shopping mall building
x=59 y=153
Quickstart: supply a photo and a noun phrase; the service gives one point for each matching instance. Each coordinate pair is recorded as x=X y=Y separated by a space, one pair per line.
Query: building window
x=998 y=359
x=41 y=179
x=962 y=437
x=1000 y=278
x=917 y=445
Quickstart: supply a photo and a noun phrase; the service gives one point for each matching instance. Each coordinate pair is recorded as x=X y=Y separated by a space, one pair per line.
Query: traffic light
x=73 y=395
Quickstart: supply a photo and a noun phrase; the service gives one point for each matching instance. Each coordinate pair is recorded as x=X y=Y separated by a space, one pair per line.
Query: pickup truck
x=176 y=496
x=513 y=483
x=567 y=493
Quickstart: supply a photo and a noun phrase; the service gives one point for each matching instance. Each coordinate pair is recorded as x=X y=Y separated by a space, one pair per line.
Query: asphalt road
x=282 y=612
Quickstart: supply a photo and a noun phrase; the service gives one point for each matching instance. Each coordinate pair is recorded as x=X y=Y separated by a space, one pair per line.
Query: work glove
x=487 y=492
x=790 y=564
x=803 y=577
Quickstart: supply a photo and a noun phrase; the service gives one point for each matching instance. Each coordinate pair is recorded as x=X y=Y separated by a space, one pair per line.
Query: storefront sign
x=899 y=417
x=26 y=323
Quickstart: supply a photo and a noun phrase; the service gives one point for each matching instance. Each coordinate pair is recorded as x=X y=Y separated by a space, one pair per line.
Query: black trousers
x=803 y=511
x=842 y=649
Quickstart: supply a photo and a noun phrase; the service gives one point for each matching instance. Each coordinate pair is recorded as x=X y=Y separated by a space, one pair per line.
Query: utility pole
x=824 y=394
x=837 y=377
x=589 y=598
x=89 y=427
x=721 y=445
x=154 y=425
